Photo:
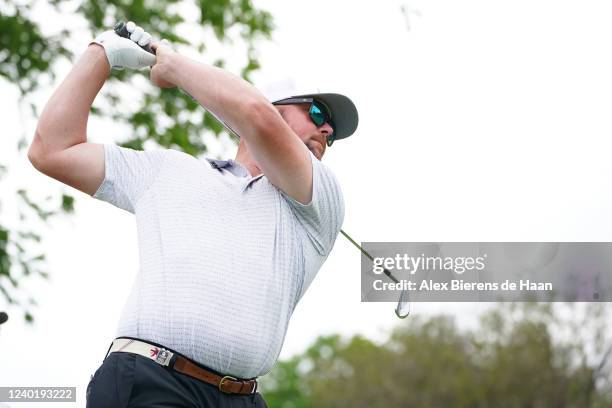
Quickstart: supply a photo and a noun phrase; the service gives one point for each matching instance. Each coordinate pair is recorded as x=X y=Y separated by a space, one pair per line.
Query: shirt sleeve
x=321 y=218
x=128 y=174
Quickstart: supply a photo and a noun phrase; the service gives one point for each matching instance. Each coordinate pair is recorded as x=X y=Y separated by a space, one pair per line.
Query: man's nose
x=326 y=129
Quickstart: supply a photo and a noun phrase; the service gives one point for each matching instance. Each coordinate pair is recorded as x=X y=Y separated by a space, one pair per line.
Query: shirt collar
x=231 y=165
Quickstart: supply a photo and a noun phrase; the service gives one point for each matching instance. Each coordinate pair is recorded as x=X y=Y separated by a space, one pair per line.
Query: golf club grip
x=121 y=31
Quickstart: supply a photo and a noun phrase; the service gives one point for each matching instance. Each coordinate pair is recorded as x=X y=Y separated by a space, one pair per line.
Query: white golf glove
x=126 y=53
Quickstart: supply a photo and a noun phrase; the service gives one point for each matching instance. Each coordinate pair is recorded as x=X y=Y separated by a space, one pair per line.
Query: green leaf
x=28 y=318
x=67 y=203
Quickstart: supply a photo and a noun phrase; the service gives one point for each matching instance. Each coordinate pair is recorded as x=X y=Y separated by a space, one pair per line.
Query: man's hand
x=161 y=71
x=126 y=53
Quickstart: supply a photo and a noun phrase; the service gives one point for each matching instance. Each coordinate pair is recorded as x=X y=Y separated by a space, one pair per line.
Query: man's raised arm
x=60 y=149
x=278 y=151
x=63 y=122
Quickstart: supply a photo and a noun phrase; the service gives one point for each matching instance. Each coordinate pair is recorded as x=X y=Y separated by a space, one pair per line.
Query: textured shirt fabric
x=223 y=257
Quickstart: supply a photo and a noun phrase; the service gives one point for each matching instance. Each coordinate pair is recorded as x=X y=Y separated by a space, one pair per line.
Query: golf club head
x=122 y=31
x=402 y=310
x=3 y=317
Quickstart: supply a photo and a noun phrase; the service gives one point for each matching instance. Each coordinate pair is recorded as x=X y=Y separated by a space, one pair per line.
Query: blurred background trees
x=36 y=37
x=521 y=355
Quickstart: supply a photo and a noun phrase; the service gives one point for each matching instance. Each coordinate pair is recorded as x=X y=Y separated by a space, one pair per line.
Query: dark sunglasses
x=318 y=112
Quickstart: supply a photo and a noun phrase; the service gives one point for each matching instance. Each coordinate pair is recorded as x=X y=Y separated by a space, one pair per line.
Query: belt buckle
x=229 y=377
x=163 y=357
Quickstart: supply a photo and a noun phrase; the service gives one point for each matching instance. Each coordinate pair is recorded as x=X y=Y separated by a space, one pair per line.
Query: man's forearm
x=228 y=96
x=63 y=122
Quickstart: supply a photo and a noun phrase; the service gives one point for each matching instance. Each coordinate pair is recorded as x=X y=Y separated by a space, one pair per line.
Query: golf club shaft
x=370 y=257
x=403 y=305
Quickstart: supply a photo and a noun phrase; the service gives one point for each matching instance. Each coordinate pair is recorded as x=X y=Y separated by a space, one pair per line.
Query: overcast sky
x=479 y=121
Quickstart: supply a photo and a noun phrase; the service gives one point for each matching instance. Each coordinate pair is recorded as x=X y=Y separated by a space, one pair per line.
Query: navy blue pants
x=128 y=380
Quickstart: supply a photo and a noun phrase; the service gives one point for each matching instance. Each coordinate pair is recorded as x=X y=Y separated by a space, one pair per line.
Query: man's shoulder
x=177 y=157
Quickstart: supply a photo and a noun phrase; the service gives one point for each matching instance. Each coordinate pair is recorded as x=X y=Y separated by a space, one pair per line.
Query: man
x=226 y=247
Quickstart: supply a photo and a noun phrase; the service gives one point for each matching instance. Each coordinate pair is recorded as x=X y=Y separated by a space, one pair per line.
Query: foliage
x=522 y=355
x=169 y=118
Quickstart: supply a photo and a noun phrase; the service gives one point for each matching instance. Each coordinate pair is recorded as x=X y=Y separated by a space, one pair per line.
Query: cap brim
x=343 y=111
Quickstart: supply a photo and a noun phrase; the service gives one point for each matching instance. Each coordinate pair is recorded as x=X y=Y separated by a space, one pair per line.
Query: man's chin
x=318 y=153
x=317 y=150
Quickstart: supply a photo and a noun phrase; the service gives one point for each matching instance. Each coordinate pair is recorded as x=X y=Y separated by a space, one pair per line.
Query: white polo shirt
x=224 y=257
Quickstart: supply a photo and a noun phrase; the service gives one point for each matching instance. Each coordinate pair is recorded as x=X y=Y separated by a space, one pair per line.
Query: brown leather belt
x=177 y=362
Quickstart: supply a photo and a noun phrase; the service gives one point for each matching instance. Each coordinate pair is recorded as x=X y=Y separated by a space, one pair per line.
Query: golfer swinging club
x=227 y=247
